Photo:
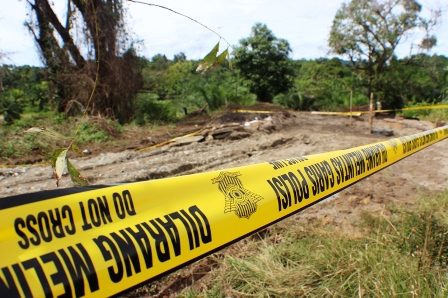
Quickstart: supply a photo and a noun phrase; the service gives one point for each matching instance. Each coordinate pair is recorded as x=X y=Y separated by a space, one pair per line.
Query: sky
x=305 y=24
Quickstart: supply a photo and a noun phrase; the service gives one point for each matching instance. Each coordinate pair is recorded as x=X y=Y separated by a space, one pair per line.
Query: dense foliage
x=147 y=91
x=172 y=88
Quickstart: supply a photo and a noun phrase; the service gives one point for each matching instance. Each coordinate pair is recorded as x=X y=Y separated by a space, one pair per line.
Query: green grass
x=433 y=115
x=16 y=143
x=403 y=255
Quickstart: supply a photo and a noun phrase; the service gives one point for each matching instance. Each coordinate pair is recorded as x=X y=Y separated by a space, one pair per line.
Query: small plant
x=91 y=133
x=150 y=109
x=58 y=157
x=11 y=109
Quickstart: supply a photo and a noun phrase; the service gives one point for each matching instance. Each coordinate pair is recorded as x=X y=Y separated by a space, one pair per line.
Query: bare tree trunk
x=73 y=75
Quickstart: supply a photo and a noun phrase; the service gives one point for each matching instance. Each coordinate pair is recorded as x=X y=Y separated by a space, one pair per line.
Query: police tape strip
x=105 y=240
x=354 y=114
x=407 y=109
x=413 y=108
x=255 y=111
x=358 y=113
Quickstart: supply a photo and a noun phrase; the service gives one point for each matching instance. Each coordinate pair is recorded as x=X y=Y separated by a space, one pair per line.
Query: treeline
x=325 y=84
x=173 y=88
x=365 y=33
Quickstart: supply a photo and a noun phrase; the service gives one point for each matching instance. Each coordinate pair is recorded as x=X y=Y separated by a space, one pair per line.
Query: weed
x=403 y=255
x=150 y=109
x=91 y=133
x=433 y=115
x=18 y=144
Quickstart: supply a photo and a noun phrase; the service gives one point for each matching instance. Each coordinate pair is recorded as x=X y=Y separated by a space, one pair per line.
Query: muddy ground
x=236 y=139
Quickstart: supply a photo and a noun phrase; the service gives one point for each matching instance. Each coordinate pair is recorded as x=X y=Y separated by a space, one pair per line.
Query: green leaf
x=208 y=60
x=53 y=156
x=212 y=61
x=60 y=165
x=221 y=58
x=77 y=150
x=76 y=177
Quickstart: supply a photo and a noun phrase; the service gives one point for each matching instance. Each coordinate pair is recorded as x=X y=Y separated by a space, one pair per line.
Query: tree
x=263 y=60
x=90 y=42
x=181 y=57
x=369 y=31
x=154 y=75
x=416 y=79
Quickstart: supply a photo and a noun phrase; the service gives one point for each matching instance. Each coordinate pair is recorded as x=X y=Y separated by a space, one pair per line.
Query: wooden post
x=351 y=101
x=371 y=112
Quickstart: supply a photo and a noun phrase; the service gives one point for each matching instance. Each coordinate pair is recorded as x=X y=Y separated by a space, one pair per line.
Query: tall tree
x=92 y=40
x=369 y=31
x=263 y=60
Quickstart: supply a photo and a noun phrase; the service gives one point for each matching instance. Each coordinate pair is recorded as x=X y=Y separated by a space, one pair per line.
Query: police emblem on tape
x=237 y=199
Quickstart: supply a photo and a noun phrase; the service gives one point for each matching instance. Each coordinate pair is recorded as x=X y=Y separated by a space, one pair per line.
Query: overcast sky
x=305 y=24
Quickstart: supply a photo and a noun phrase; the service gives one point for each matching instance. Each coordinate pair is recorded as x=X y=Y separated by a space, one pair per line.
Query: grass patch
x=16 y=143
x=432 y=115
x=403 y=255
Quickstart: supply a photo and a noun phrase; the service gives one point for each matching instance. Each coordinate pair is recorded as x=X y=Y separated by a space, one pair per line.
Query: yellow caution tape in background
x=358 y=113
x=413 y=108
x=354 y=114
x=105 y=240
x=255 y=111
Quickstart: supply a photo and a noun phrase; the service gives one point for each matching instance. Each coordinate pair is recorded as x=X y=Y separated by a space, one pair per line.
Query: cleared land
x=228 y=142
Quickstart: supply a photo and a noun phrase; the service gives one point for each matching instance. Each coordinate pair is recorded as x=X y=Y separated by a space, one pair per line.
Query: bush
x=151 y=110
x=296 y=101
x=416 y=113
x=11 y=109
x=89 y=132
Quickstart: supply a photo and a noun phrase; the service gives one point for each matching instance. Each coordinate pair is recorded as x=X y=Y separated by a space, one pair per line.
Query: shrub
x=151 y=110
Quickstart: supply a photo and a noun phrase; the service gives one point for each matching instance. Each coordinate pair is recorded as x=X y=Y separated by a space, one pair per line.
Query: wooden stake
x=371 y=112
x=351 y=101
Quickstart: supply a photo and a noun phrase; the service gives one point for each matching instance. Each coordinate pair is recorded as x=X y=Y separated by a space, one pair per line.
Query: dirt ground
x=237 y=139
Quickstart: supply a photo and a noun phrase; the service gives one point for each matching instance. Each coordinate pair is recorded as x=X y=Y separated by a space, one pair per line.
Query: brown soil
x=226 y=142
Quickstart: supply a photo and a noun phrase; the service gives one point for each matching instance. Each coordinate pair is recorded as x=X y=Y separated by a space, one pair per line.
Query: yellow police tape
x=413 y=108
x=255 y=111
x=354 y=114
x=104 y=241
x=358 y=113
